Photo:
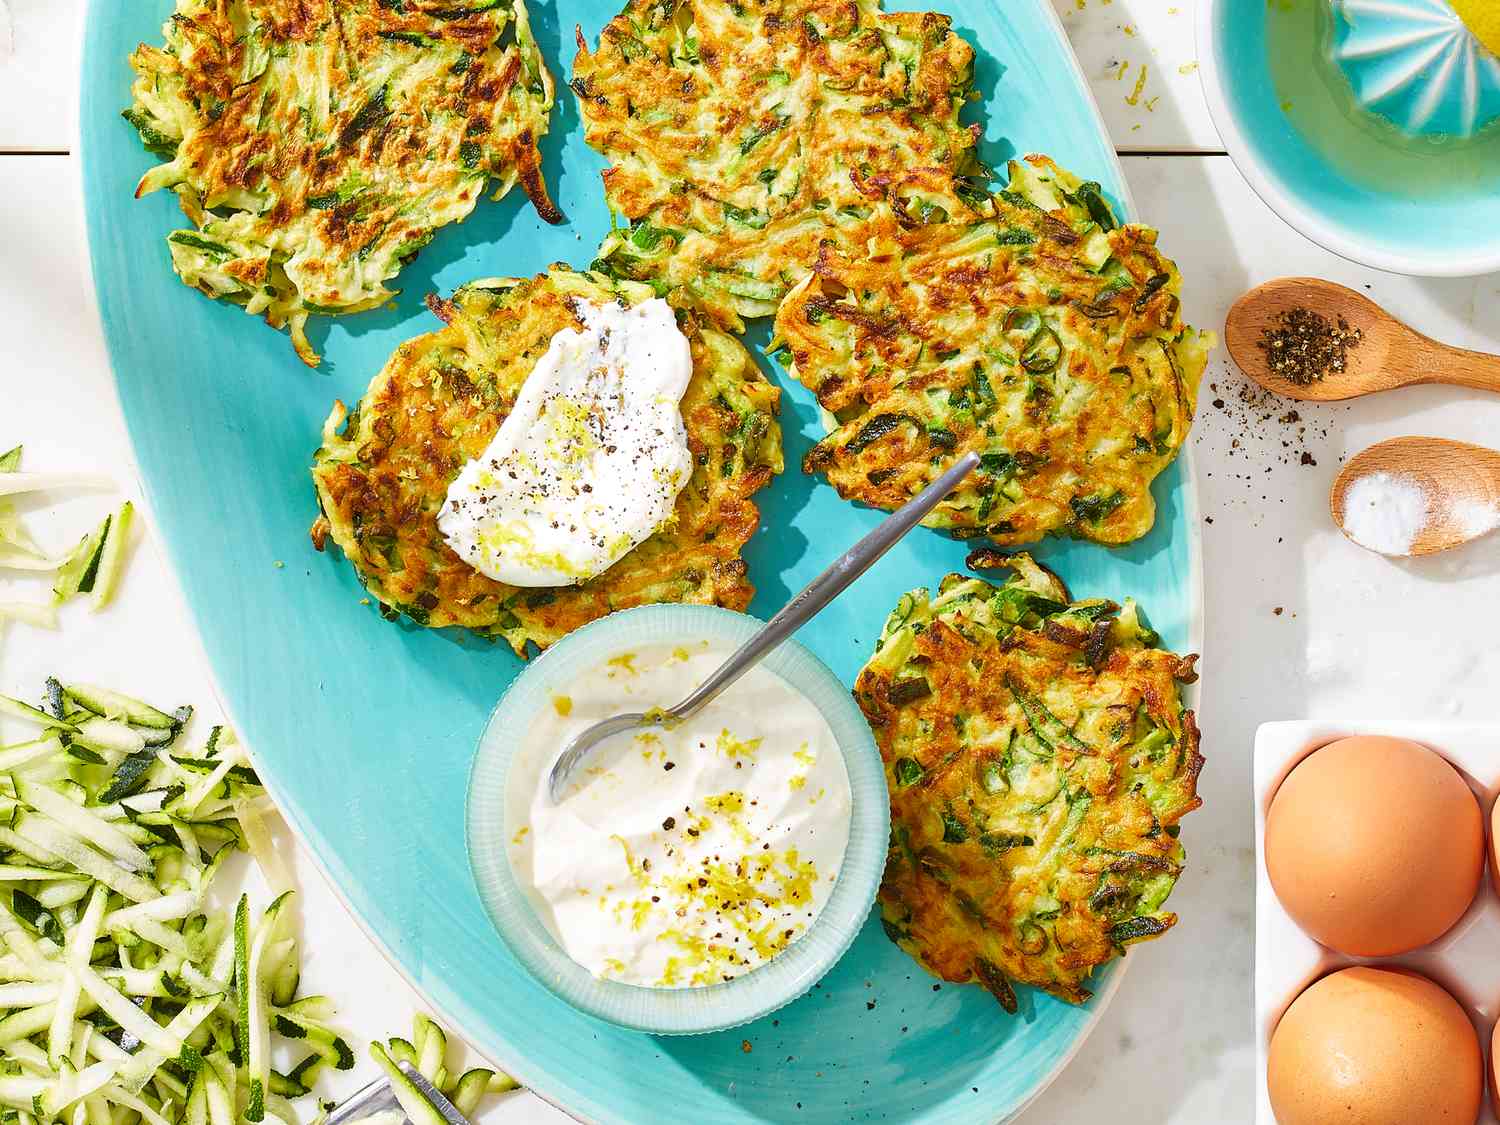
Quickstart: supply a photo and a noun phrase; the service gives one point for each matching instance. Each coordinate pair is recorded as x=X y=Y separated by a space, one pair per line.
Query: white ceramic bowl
x=680 y=1011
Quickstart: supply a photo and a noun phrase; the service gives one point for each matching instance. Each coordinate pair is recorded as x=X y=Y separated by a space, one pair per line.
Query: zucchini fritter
x=1039 y=758
x=384 y=468
x=1031 y=328
x=316 y=145
x=741 y=133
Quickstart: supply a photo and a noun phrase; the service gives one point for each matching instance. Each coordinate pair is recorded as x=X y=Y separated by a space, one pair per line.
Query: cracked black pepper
x=1304 y=347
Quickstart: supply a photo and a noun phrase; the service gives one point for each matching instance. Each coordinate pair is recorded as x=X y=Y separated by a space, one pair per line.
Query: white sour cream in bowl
x=693 y=878
x=683 y=855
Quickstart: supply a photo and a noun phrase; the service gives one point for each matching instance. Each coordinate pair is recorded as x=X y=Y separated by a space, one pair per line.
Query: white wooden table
x=1300 y=623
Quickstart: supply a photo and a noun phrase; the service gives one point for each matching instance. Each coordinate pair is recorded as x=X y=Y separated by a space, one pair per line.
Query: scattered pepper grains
x=1258 y=428
x=1304 y=347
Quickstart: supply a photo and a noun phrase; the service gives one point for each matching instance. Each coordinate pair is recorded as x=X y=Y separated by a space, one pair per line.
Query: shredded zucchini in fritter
x=1031 y=328
x=741 y=133
x=316 y=145
x=1039 y=758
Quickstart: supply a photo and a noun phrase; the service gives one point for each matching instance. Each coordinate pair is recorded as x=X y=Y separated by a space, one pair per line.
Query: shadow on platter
x=880 y=1016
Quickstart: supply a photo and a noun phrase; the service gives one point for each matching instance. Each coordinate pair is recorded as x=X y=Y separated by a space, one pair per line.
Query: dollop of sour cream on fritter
x=591 y=458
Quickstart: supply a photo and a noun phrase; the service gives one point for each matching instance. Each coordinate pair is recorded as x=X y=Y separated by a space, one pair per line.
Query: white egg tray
x=1465 y=960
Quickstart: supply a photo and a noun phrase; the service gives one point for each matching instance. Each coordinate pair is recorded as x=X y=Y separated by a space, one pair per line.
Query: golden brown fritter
x=384 y=469
x=1039 y=758
x=1031 y=328
x=741 y=133
x=316 y=145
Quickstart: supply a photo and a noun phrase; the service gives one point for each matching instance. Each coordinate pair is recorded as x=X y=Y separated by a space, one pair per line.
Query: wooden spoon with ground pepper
x=1305 y=338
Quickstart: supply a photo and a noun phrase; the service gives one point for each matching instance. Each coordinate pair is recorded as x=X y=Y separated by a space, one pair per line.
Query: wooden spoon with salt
x=1388 y=355
x=1418 y=495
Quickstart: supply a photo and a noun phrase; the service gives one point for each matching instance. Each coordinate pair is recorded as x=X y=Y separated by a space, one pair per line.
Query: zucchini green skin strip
x=59 y=844
x=70 y=817
x=197 y=1103
x=432 y=1048
x=109 y=736
x=79 y=951
x=1044 y=724
x=113 y=705
x=12 y=873
x=471 y=1086
x=323 y=1042
x=78 y=570
x=402 y=1051
x=250 y=980
x=413 y=1102
x=242 y=982
x=173 y=1045
x=16 y=709
x=112 y=556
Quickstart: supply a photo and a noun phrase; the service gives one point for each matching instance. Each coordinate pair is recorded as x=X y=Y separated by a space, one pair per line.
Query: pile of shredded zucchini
x=124 y=996
x=92 y=567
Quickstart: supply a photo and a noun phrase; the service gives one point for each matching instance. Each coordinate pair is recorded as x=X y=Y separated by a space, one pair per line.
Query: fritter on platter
x=1030 y=327
x=384 y=468
x=316 y=145
x=1039 y=758
x=741 y=133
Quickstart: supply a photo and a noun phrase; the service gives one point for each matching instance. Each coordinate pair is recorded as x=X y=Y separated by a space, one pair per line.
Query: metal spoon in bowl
x=796 y=613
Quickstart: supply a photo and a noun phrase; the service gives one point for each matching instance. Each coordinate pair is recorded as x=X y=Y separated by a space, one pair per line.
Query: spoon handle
x=1459 y=367
x=828 y=585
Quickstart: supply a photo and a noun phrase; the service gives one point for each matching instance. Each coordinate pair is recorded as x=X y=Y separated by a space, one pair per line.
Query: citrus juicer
x=1417 y=64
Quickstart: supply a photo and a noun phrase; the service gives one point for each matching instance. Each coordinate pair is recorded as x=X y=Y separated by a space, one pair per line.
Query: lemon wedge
x=1482 y=18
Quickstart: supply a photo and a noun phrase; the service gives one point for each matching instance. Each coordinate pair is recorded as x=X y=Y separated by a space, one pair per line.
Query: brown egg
x=1368 y=1046
x=1495 y=844
x=1495 y=1066
x=1375 y=845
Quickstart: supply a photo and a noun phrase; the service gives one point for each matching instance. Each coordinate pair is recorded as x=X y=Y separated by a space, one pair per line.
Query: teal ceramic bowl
x=676 y=1011
x=1344 y=179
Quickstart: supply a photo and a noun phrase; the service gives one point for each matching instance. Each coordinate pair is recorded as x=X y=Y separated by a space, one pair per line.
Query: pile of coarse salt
x=1476 y=519
x=1387 y=512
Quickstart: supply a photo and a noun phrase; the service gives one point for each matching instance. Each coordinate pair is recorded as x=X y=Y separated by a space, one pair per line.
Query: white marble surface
x=1142 y=64
x=1356 y=635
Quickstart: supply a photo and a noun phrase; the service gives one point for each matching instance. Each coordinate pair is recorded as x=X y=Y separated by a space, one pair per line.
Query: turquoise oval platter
x=364 y=730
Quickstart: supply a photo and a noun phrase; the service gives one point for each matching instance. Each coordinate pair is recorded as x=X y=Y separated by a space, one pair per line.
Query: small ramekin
x=684 y=1011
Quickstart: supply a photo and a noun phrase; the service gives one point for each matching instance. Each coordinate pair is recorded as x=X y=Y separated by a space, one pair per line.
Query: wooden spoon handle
x=1458 y=367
